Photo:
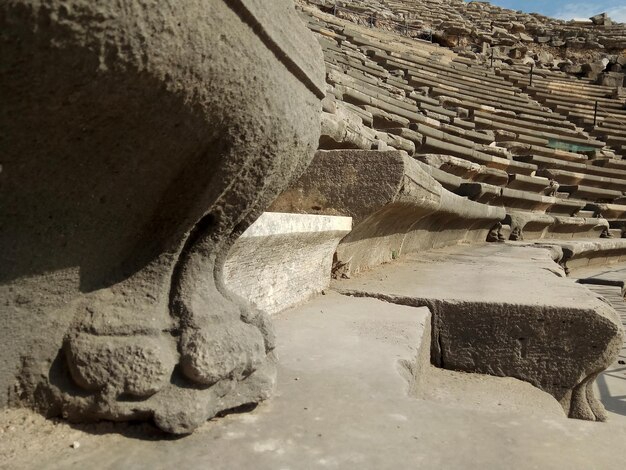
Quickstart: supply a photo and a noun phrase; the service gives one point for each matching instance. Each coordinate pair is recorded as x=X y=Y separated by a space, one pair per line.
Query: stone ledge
x=507 y=311
x=283 y=259
x=397 y=207
x=577 y=254
x=536 y=226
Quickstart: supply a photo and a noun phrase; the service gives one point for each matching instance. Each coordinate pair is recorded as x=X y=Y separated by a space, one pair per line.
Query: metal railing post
x=532 y=67
x=595 y=114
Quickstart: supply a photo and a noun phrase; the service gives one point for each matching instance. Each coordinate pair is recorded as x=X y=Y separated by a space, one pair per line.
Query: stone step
x=580 y=254
x=453 y=83
x=533 y=226
x=433 y=145
x=566 y=206
x=524 y=149
x=585 y=214
x=556 y=120
x=397 y=208
x=595 y=167
x=590 y=193
x=608 y=211
x=415 y=68
x=485 y=321
x=612 y=164
x=484 y=101
x=530 y=135
x=464 y=169
x=575 y=178
x=506 y=197
x=534 y=184
x=449 y=181
x=528 y=125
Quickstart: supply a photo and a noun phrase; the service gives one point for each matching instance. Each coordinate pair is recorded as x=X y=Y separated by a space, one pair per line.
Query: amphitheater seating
x=483 y=134
x=577 y=100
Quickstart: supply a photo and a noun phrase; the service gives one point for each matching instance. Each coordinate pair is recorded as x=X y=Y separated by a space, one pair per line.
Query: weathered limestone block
x=529 y=183
x=465 y=169
x=345 y=129
x=139 y=140
x=283 y=259
x=577 y=254
x=533 y=225
x=397 y=208
x=507 y=311
x=528 y=225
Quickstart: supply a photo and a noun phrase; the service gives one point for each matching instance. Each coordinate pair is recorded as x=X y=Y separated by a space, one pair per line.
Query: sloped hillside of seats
x=456 y=22
x=601 y=111
x=482 y=133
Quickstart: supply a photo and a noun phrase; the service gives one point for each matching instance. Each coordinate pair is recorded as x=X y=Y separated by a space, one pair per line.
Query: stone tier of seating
x=600 y=110
x=473 y=130
x=484 y=320
x=459 y=23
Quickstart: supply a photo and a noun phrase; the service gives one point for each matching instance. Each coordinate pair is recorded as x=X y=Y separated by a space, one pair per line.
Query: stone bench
x=578 y=254
x=485 y=320
x=458 y=84
x=610 y=168
x=556 y=120
x=506 y=197
x=522 y=149
x=284 y=259
x=478 y=137
x=397 y=208
x=566 y=206
x=534 y=136
x=533 y=226
x=591 y=193
x=449 y=181
x=434 y=145
x=465 y=169
x=413 y=68
x=574 y=178
x=528 y=125
x=610 y=165
x=550 y=163
x=533 y=184
x=478 y=101
x=607 y=210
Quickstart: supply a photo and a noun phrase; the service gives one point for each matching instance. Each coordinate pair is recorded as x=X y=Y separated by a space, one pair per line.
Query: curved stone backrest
x=138 y=142
x=396 y=206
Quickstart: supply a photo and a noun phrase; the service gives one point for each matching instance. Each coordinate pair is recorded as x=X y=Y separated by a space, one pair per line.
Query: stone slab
x=283 y=259
x=579 y=254
x=506 y=311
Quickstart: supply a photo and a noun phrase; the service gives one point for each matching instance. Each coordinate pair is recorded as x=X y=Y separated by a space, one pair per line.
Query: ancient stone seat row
x=427 y=103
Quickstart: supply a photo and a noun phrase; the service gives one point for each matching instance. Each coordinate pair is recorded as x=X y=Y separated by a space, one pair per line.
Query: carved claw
x=225 y=351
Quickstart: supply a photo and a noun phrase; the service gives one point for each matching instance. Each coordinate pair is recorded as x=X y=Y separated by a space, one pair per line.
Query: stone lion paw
x=138 y=366
x=232 y=350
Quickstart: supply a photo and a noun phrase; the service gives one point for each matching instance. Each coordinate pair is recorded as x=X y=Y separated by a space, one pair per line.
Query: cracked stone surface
x=507 y=311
